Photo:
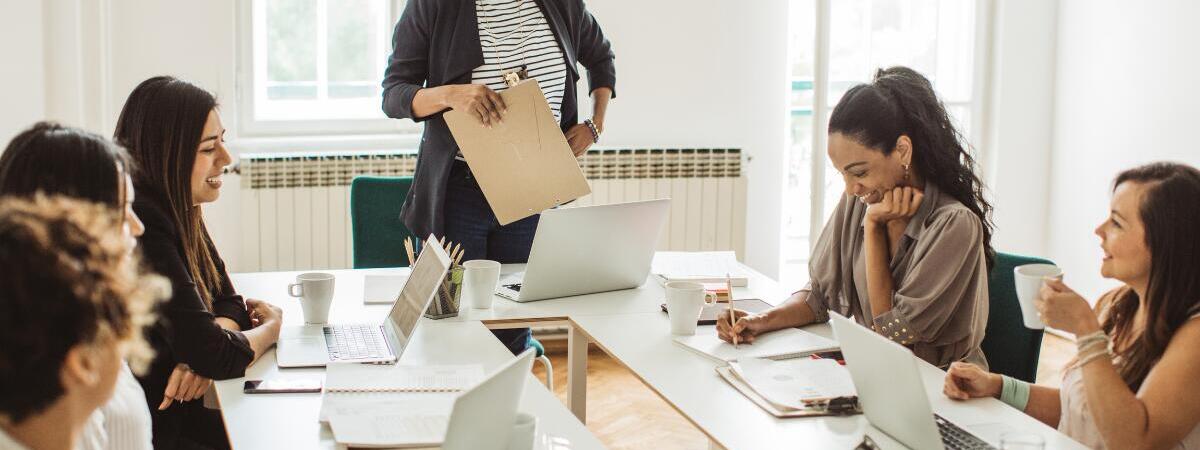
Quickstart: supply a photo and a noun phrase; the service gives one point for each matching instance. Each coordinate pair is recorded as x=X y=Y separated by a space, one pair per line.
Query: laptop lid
x=419 y=291
x=889 y=385
x=588 y=249
x=483 y=417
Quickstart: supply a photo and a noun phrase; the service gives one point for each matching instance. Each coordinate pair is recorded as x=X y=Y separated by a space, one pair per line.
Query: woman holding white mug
x=1131 y=384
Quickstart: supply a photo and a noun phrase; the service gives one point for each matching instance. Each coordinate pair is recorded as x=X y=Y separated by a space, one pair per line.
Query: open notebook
x=393 y=406
x=780 y=344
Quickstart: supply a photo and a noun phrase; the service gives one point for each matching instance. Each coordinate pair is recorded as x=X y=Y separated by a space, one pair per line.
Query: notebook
x=780 y=344
x=781 y=387
x=701 y=267
x=368 y=405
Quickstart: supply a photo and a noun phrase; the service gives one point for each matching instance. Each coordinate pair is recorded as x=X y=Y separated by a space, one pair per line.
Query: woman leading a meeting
x=907 y=249
x=453 y=54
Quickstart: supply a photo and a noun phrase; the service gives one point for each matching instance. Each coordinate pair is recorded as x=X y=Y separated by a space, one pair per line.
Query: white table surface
x=629 y=326
x=270 y=421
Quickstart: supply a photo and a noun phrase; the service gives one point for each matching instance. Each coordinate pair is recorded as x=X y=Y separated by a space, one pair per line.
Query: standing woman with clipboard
x=453 y=54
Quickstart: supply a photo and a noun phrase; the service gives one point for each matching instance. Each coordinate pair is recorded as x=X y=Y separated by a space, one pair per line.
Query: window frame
x=821 y=107
x=250 y=73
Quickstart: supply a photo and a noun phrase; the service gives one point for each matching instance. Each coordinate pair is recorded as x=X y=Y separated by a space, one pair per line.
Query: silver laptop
x=316 y=345
x=891 y=392
x=483 y=417
x=589 y=249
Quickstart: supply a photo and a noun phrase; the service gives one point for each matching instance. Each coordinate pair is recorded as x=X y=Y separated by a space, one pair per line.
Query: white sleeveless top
x=1076 y=420
x=123 y=422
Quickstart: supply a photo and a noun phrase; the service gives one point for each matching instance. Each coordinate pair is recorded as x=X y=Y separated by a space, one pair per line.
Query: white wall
x=1019 y=115
x=708 y=76
x=22 y=73
x=1126 y=94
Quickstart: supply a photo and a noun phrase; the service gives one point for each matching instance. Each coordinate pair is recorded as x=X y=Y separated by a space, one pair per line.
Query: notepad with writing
x=780 y=344
x=370 y=405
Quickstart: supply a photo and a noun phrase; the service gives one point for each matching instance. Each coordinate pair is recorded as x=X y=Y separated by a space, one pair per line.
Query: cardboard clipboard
x=523 y=164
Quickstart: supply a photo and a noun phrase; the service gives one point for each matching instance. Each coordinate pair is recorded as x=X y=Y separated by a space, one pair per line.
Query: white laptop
x=891 y=392
x=483 y=417
x=316 y=345
x=589 y=249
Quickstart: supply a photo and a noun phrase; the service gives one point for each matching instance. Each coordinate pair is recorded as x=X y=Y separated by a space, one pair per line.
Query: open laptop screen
x=420 y=289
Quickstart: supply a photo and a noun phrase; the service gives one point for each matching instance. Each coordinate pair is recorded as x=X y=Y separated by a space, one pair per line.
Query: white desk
x=629 y=326
x=267 y=421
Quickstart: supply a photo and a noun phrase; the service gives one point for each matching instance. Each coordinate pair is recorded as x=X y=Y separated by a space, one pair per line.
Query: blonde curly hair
x=70 y=278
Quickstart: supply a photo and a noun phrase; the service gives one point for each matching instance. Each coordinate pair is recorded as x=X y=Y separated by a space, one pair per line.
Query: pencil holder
x=447 y=300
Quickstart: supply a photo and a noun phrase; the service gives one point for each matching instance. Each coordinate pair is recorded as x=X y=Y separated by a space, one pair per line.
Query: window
x=315 y=66
x=935 y=37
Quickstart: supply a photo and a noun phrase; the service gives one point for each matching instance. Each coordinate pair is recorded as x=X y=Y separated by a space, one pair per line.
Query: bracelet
x=1014 y=392
x=592 y=127
x=1084 y=341
x=1084 y=360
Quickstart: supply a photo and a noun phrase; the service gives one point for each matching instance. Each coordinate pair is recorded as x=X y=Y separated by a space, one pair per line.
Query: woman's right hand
x=966 y=380
x=745 y=325
x=477 y=100
x=265 y=314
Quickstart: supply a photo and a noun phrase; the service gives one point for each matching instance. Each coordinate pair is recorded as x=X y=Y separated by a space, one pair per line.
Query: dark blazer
x=186 y=332
x=436 y=42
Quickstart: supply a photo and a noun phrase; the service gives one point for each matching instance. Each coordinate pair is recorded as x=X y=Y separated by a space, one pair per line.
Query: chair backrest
x=1010 y=348
x=376 y=230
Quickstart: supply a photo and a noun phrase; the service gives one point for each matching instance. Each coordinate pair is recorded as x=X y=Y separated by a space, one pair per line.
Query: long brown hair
x=1170 y=212
x=161 y=125
x=898 y=102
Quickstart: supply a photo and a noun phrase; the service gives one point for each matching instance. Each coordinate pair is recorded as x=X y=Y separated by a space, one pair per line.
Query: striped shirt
x=514 y=33
x=123 y=423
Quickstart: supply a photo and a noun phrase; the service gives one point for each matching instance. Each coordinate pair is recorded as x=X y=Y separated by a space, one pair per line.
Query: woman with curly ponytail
x=908 y=248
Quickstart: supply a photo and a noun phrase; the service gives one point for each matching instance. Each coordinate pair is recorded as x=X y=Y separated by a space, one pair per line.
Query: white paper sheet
x=781 y=344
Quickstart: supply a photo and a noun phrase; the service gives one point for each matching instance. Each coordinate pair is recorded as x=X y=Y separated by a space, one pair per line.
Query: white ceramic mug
x=685 y=302
x=315 y=291
x=480 y=277
x=1029 y=279
x=523 y=432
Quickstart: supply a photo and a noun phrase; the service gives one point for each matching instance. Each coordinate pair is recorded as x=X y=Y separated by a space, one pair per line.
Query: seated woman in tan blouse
x=907 y=249
x=1133 y=383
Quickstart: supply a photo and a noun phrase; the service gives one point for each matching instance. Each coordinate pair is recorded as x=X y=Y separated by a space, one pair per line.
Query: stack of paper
x=782 y=344
x=701 y=267
x=370 y=405
x=782 y=388
x=382 y=289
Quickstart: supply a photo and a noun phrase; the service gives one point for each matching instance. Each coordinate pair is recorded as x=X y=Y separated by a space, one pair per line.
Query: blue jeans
x=471 y=223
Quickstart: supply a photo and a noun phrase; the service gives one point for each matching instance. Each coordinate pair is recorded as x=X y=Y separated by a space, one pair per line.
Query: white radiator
x=295 y=209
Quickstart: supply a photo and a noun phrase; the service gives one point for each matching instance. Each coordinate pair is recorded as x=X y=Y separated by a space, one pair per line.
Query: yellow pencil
x=729 y=288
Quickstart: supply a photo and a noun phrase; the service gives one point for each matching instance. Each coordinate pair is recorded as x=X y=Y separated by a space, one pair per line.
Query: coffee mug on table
x=1029 y=279
x=480 y=277
x=685 y=302
x=315 y=291
x=523 y=432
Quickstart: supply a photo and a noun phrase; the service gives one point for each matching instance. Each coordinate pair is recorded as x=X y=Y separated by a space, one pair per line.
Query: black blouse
x=186 y=332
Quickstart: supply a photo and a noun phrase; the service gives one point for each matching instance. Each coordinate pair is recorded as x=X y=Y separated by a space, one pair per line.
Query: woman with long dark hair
x=174 y=134
x=52 y=159
x=1131 y=383
x=907 y=249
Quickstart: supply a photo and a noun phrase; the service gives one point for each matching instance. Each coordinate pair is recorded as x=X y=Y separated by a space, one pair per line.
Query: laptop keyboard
x=355 y=342
x=955 y=438
x=515 y=287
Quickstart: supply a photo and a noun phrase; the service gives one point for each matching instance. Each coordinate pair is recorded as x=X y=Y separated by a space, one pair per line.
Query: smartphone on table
x=282 y=386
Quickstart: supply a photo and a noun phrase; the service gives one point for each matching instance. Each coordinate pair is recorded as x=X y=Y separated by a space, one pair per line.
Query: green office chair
x=378 y=234
x=376 y=230
x=1010 y=348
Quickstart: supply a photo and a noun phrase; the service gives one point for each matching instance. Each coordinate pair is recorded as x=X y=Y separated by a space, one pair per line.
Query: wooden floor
x=625 y=414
